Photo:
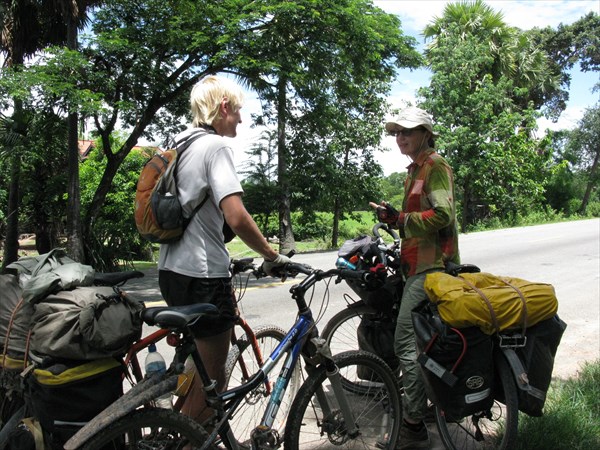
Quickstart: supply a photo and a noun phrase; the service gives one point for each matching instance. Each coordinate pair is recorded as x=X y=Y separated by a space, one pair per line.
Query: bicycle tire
x=149 y=428
x=377 y=409
x=498 y=426
x=250 y=412
x=341 y=333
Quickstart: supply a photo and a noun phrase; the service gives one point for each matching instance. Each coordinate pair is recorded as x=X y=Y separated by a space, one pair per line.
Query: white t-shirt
x=205 y=168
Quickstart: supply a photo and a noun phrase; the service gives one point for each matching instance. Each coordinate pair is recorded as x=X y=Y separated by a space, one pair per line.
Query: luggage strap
x=9 y=331
x=493 y=316
x=34 y=427
x=487 y=301
x=521 y=374
x=524 y=303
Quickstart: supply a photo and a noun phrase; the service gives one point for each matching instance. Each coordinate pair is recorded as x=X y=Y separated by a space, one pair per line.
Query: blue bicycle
x=328 y=410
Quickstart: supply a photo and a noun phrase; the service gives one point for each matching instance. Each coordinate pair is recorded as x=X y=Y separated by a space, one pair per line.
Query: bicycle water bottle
x=155 y=363
x=342 y=263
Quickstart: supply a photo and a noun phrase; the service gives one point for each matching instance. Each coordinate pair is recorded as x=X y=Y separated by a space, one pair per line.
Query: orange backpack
x=157 y=210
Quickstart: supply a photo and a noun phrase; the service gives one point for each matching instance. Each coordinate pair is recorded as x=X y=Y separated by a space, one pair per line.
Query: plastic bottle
x=156 y=363
x=342 y=263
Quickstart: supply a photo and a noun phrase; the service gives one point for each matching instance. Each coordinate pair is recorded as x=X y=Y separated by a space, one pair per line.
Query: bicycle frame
x=225 y=403
x=294 y=342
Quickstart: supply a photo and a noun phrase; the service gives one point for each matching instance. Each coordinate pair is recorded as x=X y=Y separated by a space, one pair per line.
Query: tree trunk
x=11 y=242
x=335 y=234
x=590 y=185
x=286 y=234
x=465 y=208
x=74 y=231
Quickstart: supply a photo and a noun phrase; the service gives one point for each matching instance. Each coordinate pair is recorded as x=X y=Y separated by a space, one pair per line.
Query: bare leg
x=213 y=351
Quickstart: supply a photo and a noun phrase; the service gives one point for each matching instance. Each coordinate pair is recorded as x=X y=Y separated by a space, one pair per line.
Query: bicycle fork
x=333 y=374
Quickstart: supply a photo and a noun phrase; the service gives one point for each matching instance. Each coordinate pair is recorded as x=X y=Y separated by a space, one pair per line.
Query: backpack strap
x=182 y=146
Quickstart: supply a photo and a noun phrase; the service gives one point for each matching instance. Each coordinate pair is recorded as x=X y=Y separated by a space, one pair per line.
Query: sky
x=415 y=15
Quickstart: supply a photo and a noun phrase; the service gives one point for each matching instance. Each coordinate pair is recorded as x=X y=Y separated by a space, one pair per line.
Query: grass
x=571 y=417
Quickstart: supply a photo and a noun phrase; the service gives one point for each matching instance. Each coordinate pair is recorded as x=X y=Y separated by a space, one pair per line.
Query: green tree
x=332 y=152
x=316 y=54
x=485 y=134
x=584 y=146
x=260 y=185
x=566 y=46
x=392 y=188
x=142 y=58
x=43 y=202
x=511 y=52
x=115 y=239
x=26 y=27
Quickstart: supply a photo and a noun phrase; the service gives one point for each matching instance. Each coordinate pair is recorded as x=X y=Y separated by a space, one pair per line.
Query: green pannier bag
x=85 y=323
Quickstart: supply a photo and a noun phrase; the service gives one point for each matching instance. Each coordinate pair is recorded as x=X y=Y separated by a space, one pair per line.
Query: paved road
x=565 y=255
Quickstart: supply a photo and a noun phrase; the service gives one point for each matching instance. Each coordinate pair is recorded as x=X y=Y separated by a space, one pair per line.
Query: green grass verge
x=571 y=417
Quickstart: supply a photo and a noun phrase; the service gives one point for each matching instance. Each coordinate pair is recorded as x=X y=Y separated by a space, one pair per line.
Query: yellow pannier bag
x=490 y=302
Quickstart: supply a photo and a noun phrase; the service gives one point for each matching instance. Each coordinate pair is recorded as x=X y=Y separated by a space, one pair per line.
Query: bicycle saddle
x=177 y=316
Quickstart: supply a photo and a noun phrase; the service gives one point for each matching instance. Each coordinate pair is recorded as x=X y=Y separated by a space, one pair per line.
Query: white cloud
x=415 y=15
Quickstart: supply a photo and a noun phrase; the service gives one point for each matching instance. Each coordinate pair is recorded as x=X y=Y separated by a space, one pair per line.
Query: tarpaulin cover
x=491 y=302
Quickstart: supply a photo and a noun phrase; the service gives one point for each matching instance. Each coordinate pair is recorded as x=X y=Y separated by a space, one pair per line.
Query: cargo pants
x=414 y=400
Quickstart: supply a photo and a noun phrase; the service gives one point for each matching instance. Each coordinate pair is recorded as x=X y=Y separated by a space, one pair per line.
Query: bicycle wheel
x=249 y=414
x=150 y=428
x=495 y=428
x=341 y=333
x=341 y=330
x=376 y=409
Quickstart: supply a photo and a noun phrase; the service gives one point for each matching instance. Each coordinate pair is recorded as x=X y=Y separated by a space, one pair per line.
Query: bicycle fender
x=137 y=396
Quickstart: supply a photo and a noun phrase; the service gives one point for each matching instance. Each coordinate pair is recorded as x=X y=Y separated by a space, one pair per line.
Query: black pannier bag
x=64 y=396
x=375 y=334
x=457 y=365
x=534 y=363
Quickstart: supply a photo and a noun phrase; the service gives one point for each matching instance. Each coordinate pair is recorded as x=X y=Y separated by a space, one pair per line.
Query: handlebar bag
x=457 y=365
x=64 y=396
x=85 y=323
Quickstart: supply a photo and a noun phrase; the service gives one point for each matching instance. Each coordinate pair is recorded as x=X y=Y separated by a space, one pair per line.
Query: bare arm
x=242 y=223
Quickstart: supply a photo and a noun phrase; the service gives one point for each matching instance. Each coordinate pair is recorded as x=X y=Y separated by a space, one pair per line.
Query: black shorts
x=179 y=290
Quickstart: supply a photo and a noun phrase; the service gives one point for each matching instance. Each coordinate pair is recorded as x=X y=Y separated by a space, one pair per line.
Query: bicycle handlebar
x=387 y=229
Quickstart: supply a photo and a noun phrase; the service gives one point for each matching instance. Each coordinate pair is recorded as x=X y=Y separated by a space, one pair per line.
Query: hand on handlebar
x=270 y=267
x=386 y=213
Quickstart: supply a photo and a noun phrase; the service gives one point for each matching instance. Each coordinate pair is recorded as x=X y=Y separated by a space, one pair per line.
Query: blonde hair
x=207 y=95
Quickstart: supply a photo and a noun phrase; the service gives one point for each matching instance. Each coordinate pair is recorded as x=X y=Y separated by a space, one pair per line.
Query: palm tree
x=514 y=55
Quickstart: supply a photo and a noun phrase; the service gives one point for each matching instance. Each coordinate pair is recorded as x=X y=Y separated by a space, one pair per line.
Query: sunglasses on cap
x=406 y=131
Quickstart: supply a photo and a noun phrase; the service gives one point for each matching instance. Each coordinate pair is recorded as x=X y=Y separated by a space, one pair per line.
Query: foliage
x=512 y=53
x=318 y=107
x=486 y=133
x=566 y=46
x=141 y=59
x=114 y=234
x=570 y=414
x=575 y=177
x=392 y=189
x=584 y=145
x=260 y=186
x=43 y=204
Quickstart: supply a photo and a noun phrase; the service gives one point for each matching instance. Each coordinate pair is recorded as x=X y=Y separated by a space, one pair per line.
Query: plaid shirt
x=427 y=222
